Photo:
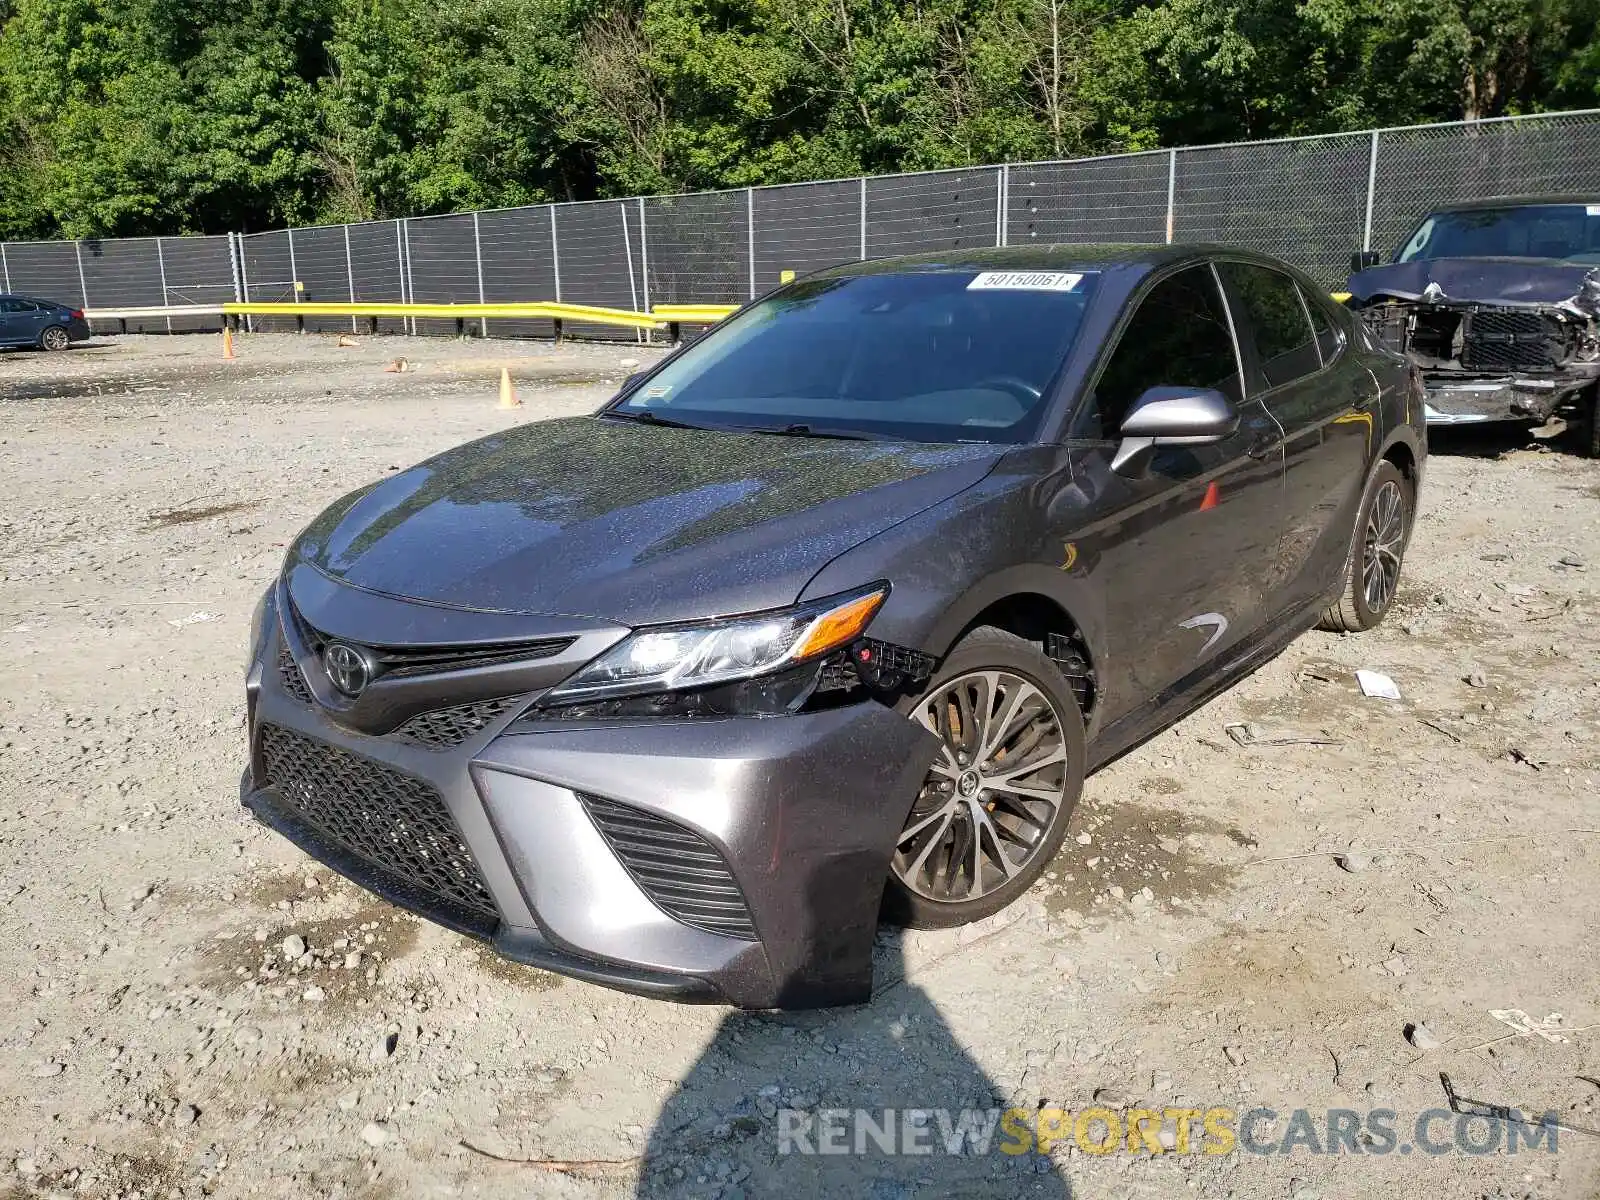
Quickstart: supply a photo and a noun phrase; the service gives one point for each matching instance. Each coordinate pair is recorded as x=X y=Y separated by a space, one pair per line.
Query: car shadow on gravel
x=864 y=1101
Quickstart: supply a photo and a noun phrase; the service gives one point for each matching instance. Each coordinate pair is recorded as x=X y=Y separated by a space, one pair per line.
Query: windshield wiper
x=645 y=417
x=799 y=429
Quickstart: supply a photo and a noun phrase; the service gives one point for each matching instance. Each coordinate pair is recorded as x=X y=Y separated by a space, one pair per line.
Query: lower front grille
x=393 y=821
x=678 y=869
x=443 y=728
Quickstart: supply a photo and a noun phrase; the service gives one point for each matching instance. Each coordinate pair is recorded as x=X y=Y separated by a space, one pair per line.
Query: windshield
x=1565 y=231
x=938 y=356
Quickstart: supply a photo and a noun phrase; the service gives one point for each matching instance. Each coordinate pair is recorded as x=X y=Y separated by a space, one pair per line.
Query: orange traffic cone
x=508 y=396
x=227 y=341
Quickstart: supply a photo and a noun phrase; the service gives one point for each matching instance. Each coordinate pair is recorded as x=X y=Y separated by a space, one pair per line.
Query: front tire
x=54 y=337
x=995 y=804
x=1372 y=568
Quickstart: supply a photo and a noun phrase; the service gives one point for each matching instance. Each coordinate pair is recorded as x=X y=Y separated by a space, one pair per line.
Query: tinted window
x=1178 y=336
x=1328 y=337
x=15 y=306
x=1285 y=349
x=929 y=356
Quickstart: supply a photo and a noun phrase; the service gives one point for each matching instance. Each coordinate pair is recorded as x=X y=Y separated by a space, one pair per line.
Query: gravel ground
x=193 y=1007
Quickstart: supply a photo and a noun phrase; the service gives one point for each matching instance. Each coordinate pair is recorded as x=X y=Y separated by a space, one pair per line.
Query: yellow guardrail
x=536 y=310
x=693 y=314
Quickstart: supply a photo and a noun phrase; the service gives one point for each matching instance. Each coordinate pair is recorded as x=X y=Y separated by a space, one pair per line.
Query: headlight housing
x=680 y=658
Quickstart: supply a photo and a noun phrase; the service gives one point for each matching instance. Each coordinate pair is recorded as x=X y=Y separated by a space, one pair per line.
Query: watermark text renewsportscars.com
x=1208 y=1131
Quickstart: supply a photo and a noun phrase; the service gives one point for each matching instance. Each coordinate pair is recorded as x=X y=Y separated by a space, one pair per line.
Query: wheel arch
x=1023 y=603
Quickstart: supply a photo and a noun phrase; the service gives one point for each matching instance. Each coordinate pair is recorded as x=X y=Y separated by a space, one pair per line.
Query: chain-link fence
x=1309 y=200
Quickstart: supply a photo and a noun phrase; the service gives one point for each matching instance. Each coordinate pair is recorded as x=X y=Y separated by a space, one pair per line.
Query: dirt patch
x=1140 y=856
x=188 y=516
x=518 y=975
x=338 y=969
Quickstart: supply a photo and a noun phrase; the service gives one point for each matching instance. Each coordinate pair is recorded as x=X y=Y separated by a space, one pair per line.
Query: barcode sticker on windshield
x=1025 y=281
x=1592 y=210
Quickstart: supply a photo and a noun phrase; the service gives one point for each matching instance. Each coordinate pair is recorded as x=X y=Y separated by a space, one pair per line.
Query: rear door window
x=1286 y=348
x=1329 y=339
x=1178 y=336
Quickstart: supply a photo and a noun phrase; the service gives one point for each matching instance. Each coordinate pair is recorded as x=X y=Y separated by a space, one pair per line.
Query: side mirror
x=1362 y=259
x=1172 y=416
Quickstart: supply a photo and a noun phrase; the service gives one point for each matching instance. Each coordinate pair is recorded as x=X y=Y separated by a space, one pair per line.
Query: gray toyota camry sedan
x=825 y=617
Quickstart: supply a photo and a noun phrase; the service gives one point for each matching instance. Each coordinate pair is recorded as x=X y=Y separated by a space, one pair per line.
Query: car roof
x=1513 y=202
x=1047 y=257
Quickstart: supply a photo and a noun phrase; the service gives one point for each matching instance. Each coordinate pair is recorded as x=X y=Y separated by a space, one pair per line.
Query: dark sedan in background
x=828 y=613
x=29 y=321
x=1498 y=304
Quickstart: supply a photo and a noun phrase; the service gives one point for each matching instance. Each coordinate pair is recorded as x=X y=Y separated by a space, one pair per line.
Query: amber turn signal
x=838 y=626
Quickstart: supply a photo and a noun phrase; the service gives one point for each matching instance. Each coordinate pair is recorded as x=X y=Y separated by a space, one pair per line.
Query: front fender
x=949 y=563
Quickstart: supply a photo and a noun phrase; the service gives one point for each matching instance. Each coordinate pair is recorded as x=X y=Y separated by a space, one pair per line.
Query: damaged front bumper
x=738 y=860
x=1457 y=400
x=1485 y=362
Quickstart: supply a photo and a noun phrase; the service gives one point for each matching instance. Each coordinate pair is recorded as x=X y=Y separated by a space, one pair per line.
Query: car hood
x=631 y=523
x=1482 y=280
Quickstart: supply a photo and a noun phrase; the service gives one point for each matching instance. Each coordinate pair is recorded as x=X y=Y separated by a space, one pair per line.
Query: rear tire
x=983 y=829
x=1377 y=548
x=54 y=337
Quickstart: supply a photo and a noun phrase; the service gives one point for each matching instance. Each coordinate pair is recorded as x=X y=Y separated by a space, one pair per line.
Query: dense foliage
x=139 y=116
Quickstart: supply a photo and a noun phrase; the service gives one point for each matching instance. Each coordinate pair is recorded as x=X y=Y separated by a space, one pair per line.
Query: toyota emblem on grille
x=347 y=669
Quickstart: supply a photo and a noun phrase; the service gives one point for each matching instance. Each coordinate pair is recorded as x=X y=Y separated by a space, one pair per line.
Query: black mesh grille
x=293 y=681
x=1496 y=338
x=429 y=660
x=446 y=727
x=678 y=869
x=395 y=822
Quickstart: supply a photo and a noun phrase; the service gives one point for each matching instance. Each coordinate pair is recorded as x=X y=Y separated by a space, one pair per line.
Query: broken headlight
x=670 y=660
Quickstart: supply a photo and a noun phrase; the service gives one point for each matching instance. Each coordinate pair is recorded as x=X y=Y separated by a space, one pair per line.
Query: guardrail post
x=1372 y=187
x=161 y=265
x=5 y=267
x=350 y=282
x=477 y=255
x=1172 y=192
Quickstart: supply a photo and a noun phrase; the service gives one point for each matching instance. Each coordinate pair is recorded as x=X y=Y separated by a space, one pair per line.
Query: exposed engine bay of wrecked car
x=1485 y=356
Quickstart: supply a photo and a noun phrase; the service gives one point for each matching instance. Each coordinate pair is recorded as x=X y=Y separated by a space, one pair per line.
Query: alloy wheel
x=993 y=793
x=55 y=338
x=1381 y=546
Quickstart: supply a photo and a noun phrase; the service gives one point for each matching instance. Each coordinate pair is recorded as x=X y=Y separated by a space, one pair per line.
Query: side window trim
x=1316 y=337
x=1233 y=329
